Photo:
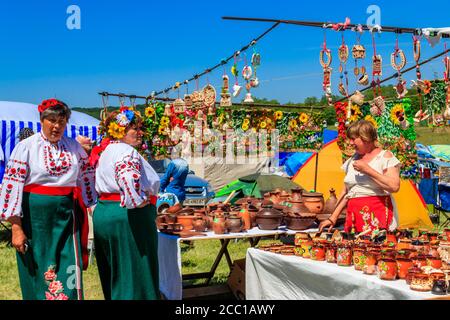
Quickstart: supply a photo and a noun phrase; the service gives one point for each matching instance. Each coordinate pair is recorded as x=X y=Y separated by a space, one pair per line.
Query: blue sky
x=139 y=46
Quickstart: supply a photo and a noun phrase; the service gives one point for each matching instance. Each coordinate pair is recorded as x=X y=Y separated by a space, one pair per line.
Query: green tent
x=254 y=185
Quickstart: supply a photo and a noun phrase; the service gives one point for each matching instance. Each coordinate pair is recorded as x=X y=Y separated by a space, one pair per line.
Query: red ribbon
x=97 y=150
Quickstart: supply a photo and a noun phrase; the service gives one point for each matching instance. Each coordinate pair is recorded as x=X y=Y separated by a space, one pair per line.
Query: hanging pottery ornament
x=247 y=73
x=364 y=79
x=377 y=65
x=256 y=59
x=188 y=101
x=209 y=95
x=377 y=106
x=236 y=90
x=235 y=72
x=248 y=96
x=179 y=107
x=168 y=110
x=325 y=60
x=197 y=99
x=343 y=54
x=357 y=98
x=358 y=52
x=225 y=97
x=421 y=116
x=400 y=88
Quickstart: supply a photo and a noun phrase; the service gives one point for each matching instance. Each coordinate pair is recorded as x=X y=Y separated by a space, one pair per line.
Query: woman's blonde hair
x=362 y=129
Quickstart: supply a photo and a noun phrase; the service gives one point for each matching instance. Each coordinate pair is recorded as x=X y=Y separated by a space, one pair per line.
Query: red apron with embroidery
x=369 y=213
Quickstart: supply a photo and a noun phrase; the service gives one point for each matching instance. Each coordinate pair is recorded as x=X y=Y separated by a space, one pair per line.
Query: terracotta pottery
x=421 y=282
x=411 y=272
x=244 y=200
x=344 y=255
x=313 y=201
x=440 y=287
x=186 y=222
x=387 y=269
x=420 y=261
x=447 y=234
x=330 y=204
x=275 y=197
x=437 y=276
x=306 y=248
x=330 y=254
x=186 y=212
x=253 y=211
x=404 y=233
x=403 y=266
x=299 y=237
x=177 y=227
x=233 y=224
x=298 y=251
x=388 y=253
x=370 y=263
x=404 y=243
x=403 y=254
x=174 y=209
x=391 y=238
x=318 y=252
x=200 y=224
x=434 y=262
x=299 y=223
x=268 y=218
x=432 y=236
x=246 y=218
x=296 y=194
x=359 y=258
x=219 y=225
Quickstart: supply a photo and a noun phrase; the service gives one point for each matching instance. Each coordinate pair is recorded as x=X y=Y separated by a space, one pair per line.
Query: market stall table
x=271 y=276
x=169 y=255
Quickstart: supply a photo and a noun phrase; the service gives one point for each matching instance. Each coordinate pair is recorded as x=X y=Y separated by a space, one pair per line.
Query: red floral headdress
x=49 y=103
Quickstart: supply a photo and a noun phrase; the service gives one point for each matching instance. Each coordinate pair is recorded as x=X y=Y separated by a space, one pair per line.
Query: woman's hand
x=19 y=239
x=326 y=223
x=361 y=166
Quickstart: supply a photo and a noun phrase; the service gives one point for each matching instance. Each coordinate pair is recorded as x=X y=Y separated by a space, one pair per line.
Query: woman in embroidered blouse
x=372 y=174
x=125 y=234
x=37 y=199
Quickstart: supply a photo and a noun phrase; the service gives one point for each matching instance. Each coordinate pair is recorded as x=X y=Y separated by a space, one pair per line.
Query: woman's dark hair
x=60 y=110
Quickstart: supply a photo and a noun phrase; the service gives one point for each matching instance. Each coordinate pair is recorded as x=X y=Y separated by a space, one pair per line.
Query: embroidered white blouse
x=361 y=185
x=37 y=161
x=121 y=169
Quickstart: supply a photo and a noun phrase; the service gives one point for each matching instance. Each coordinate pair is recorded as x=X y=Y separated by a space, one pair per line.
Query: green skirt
x=51 y=267
x=126 y=248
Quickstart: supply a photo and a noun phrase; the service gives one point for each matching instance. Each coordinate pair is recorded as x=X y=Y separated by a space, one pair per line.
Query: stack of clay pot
x=298 y=215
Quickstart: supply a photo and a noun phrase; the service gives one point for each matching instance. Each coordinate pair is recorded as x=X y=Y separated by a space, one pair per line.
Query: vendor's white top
x=20 y=111
x=37 y=161
x=361 y=185
x=121 y=169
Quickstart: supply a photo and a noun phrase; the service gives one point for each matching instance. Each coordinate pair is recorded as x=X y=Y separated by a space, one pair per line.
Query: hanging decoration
x=400 y=88
x=325 y=62
x=377 y=69
x=225 y=96
x=343 y=54
x=359 y=53
x=247 y=73
x=235 y=72
x=256 y=62
x=447 y=83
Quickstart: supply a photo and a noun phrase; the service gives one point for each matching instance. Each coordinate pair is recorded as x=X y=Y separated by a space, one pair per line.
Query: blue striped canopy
x=15 y=116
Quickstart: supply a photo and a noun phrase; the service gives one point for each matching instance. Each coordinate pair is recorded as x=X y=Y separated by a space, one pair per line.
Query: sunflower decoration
x=427 y=87
x=246 y=122
x=355 y=113
x=263 y=124
x=278 y=115
x=245 y=126
x=303 y=118
x=165 y=121
x=116 y=131
x=293 y=124
x=371 y=120
x=149 y=112
x=398 y=114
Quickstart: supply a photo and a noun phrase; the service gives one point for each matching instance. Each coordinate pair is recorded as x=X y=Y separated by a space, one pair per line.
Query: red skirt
x=369 y=213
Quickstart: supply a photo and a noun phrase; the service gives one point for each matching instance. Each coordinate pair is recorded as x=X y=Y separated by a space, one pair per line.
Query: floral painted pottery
x=330 y=254
x=404 y=243
x=359 y=258
x=370 y=263
x=318 y=252
x=344 y=255
x=403 y=266
x=411 y=272
x=387 y=269
x=306 y=247
x=299 y=237
x=420 y=261
x=421 y=282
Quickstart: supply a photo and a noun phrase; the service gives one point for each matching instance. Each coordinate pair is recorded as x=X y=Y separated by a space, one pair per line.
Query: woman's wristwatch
x=332 y=222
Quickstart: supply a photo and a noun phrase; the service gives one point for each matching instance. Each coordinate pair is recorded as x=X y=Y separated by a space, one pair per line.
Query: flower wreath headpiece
x=49 y=103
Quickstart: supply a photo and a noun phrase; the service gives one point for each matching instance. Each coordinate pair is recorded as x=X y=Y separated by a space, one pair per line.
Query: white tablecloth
x=270 y=276
x=169 y=256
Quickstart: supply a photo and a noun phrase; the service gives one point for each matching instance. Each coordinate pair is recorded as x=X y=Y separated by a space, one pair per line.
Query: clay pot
x=186 y=212
x=246 y=218
x=387 y=269
x=434 y=252
x=421 y=282
x=299 y=223
x=404 y=244
x=268 y=218
x=318 y=252
x=186 y=222
x=330 y=204
x=434 y=262
x=170 y=217
x=219 y=225
x=420 y=261
x=296 y=194
x=175 y=208
x=411 y=272
x=299 y=209
x=359 y=258
x=440 y=287
x=330 y=254
x=244 y=200
x=299 y=237
x=403 y=265
x=200 y=224
x=233 y=224
x=391 y=238
x=344 y=254
x=313 y=201
x=306 y=247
